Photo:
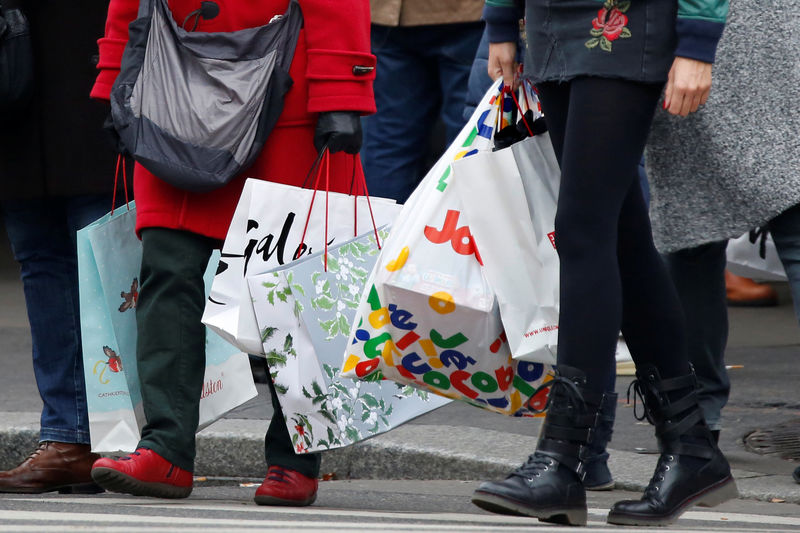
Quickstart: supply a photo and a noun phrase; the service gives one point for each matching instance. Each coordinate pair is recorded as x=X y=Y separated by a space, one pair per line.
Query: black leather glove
x=340 y=130
x=113 y=137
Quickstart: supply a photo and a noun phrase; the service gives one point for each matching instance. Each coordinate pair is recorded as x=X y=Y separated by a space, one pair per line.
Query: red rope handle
x=325 y=156
x=125 y=183
x=116 y=177
x=120 y=161
x=524 y=120
x=357 y=169
x=366 y=195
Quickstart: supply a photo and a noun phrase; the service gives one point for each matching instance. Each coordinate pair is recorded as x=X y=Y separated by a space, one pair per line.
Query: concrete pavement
x=459 y=441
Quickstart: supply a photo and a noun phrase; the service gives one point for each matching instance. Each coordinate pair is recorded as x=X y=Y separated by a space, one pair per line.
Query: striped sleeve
x=699 y=27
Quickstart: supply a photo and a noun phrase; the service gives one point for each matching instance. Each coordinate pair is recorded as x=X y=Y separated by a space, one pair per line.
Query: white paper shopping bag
x=266 y=232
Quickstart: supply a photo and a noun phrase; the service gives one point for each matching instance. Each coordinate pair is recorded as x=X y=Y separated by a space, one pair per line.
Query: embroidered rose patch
x=610 y=24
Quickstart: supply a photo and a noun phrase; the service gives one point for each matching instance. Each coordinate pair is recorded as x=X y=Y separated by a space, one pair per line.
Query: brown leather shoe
x=744 y=292
x=53 y=466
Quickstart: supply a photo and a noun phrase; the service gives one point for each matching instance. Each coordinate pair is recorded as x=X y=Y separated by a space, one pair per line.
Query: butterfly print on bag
x=130 y=297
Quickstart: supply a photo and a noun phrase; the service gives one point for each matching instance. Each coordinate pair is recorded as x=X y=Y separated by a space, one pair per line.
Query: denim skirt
x=628 y=39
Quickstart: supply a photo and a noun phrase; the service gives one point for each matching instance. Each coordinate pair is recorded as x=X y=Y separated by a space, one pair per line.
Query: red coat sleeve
x=340 y=66
x=112 y=44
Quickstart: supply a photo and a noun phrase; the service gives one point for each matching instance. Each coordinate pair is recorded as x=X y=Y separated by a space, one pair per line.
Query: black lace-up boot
x=691 y=470
x=598 y=476
x=549 y=486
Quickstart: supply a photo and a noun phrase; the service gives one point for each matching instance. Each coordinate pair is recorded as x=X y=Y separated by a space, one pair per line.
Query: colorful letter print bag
x=429 y=317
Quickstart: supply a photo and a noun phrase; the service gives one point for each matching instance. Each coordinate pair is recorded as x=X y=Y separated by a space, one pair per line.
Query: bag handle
x=357 y=165
x=521 y=113
x=314 y=167
x=507 y=90
x=324 y=159
x=120 y=162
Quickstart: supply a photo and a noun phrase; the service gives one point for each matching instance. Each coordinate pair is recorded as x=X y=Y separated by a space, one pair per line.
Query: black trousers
x=170 y=353
x=612 y=277
x=699 y=276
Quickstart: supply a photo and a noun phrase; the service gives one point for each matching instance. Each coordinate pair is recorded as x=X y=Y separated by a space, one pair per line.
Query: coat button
x=361 y=70
x=209 y=10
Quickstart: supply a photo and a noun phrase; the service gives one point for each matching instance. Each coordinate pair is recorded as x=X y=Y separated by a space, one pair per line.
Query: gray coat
x=736 y=163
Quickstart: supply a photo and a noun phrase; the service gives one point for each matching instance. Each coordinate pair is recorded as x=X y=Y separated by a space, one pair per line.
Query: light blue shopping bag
x=109 y=258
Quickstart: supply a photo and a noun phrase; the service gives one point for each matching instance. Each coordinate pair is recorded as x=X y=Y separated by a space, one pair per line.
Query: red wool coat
x=334 y=39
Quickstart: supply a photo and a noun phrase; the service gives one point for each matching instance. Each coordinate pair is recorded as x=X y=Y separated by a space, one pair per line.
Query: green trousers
x=170 y=352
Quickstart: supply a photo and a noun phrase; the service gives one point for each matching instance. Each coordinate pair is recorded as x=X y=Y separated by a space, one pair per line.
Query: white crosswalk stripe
x=117 y=515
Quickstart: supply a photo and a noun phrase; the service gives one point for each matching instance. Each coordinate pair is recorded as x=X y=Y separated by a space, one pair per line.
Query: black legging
x=612 y=277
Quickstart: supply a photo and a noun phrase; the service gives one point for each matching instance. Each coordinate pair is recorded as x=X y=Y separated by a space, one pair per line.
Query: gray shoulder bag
x=195 y=108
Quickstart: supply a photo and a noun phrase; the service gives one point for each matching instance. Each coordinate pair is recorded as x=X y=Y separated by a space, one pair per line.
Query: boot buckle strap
x=578 y=435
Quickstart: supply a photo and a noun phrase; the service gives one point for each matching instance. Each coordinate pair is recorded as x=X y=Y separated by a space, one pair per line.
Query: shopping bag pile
x=293 y=267
x=109 y=258
x=430 y=316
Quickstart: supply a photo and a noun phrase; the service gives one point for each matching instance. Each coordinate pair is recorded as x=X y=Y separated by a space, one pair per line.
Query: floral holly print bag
x=305 y=313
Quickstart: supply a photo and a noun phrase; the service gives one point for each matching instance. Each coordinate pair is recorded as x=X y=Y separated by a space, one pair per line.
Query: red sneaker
x=286 y=487
x=143 y=473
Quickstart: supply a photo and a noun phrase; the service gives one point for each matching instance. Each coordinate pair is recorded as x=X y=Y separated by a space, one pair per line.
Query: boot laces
x=534 y=466
x=39 y=449
x=654 y=486
x=640 y=389
x=559 y=386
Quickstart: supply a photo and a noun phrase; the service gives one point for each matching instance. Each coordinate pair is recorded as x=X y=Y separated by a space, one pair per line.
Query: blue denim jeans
x=42 y=232
x=785 y=230
x=422 y=73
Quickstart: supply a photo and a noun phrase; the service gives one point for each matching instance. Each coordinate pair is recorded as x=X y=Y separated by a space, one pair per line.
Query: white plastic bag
x=510 y=198
x=753 y=255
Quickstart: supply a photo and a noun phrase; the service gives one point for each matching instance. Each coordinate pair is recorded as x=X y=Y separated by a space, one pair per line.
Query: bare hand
x=688 y=86
x=501 y=62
